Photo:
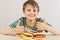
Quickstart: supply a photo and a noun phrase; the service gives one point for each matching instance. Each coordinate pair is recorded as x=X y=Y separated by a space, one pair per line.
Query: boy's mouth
x=31 y=16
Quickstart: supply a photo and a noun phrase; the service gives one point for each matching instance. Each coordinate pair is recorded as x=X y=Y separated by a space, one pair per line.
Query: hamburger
x=25 y=35
x=39 y=35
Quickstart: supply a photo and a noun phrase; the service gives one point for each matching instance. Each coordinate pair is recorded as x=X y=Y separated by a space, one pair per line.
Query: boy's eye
x=29 y=10
x=34 y=10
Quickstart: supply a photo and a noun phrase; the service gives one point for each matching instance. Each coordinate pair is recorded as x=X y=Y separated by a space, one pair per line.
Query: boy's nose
x=32 y=12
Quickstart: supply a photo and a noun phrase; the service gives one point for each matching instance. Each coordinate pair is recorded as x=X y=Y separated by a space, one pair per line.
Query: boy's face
x=30 y=12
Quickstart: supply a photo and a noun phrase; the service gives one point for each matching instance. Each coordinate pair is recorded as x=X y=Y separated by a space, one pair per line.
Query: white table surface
x=10 y=37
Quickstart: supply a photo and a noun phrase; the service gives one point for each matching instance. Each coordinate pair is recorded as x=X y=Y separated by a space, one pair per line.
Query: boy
x=23 y=24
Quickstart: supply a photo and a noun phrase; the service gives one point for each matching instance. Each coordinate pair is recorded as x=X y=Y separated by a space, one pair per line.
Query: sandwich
x=36 y=36
x=39 y=35
x=25 y=35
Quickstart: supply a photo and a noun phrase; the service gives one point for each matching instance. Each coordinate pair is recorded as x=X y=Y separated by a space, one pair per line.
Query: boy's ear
x=23 y=11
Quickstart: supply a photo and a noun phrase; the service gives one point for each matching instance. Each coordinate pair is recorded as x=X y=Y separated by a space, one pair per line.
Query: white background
x=11 y=10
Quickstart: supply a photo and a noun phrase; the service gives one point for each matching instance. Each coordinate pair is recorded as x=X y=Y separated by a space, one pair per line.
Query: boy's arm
x=53 y=30
x=44 y=26
x=8 y=30
x=17 y=29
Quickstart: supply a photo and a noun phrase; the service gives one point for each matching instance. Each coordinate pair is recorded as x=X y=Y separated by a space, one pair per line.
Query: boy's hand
x=41 y=26
x=20 y=29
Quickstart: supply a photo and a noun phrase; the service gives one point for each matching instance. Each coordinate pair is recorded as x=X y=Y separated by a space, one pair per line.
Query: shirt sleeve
x=48 y=24
x=13 y=24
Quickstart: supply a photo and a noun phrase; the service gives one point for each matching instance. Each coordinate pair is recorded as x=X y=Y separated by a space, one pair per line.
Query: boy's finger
x=18 y=24
x=39 y=22
x=44 y=20
x=22 y=26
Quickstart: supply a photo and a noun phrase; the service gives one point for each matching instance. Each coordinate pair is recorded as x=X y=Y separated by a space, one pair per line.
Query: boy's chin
x=31 y=18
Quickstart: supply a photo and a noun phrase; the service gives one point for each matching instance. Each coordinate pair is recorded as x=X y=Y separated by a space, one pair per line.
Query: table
x=12 y=37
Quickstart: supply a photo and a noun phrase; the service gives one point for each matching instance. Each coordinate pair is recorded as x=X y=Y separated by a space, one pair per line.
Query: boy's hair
x=32 y=3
